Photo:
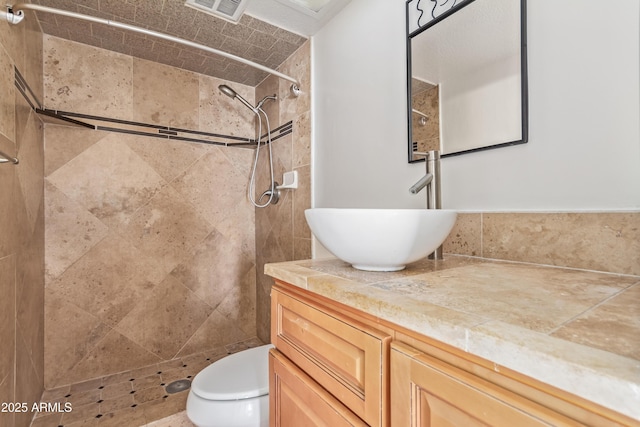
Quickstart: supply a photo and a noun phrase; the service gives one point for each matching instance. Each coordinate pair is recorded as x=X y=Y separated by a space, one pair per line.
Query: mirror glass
x=467 y=80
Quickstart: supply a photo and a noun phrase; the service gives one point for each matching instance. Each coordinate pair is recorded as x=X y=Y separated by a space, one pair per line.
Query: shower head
x=233 y=94
x=227 y=91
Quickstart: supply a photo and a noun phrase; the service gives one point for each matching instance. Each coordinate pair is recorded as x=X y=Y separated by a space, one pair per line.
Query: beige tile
x=146 y=381
x=30 y=301
x=7 y=395
x=29 y=140
x=81 y=415
x=7 y=317
x=84 y=397
x=164 y=321
x=301 y=248
x=613 y=326
x=85 y=79
x=8 y=218
x=109 y=356
x=7 y=96
x=166 y=229
x=142 y=372
x=269 y=87
x=217 y=331
x=113 y=391
x=58 y=394
x=522 y=295
x=71 y=334
x=164 y=95
x=214 y=268
x=221 y=114
x=168 y=158
x=594 y=241
x=177 y=420
x=29 y=382
x=113 y=404
x=48 y=420
x=32 y=68
x=217 y=188
x=109 y=180
x=301 y=202
x=12 y=40
x=127 y=417
x=298 y=65
x=161 y=408
x=466 y=236
x=302 y=140
x=63 y=143
x=109 y=280
x=92 y=384
x=70 y=232
x=148 y=394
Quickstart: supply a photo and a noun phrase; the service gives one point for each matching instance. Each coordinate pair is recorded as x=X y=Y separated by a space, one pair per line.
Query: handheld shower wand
x=272 y=192
x=234 y=95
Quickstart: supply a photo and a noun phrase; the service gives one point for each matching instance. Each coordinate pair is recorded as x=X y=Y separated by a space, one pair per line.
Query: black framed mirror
x=466 y=75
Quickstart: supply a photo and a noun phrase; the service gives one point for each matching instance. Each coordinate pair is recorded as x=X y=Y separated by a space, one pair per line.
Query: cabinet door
x=295 y=400
x=345 y=357
x=427 y=392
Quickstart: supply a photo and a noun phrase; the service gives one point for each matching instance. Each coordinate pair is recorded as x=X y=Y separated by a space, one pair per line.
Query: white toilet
x=233 y=391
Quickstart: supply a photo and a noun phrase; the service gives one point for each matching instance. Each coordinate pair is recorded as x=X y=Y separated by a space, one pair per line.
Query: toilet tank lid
x=242 y=375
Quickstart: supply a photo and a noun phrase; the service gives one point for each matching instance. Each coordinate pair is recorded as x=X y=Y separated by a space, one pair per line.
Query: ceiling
x=268 y=32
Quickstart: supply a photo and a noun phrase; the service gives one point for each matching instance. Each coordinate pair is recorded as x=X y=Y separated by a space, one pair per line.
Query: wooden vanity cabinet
x=334 y=365
x=427 y=392
x=297 y=400
x=340 y=354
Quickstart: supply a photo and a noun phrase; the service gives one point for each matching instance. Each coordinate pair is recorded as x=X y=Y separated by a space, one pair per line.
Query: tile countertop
x=574 y=329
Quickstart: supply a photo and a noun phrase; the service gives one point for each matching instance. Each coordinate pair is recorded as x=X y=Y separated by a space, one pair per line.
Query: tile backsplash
x=600 y=241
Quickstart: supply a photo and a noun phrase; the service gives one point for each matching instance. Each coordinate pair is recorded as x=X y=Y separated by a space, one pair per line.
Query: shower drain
x=178 y=386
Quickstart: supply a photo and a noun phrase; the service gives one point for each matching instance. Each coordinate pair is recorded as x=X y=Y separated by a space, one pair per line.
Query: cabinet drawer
x=342 y=355
x=296 y=400
x=426 y=392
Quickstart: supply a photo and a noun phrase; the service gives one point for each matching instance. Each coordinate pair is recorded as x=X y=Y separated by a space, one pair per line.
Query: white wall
x=584 y=115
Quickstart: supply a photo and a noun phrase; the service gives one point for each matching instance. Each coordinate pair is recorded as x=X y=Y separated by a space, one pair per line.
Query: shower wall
x=21 y=225
x=150 y=243
x=282 y=233
x=426 y=99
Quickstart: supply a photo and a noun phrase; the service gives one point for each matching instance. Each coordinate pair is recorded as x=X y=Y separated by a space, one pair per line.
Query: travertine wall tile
x=466 y=236
x=153 y=241
x=65 y=142
x=166 y=318
x=81 y=78
x=601 y=241
x=7 y=334
x=281 y=230
x=22 y=223
x=595 y=241
x=155 y=103
x=111 y=187
x=7 y=96
x=217 y=109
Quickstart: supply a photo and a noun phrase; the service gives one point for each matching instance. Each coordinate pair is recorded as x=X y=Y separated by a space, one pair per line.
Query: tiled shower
x=127 y=251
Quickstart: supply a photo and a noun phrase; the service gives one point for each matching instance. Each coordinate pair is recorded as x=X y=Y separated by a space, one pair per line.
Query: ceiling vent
x=231 y=10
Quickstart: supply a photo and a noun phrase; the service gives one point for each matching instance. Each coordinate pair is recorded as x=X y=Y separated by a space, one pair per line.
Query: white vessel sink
x=380 y=239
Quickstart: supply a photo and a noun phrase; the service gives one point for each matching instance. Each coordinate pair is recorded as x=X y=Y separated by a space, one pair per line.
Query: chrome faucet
x=432 y=181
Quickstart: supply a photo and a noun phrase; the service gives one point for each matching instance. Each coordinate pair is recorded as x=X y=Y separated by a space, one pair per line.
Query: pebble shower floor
x=129 y=399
